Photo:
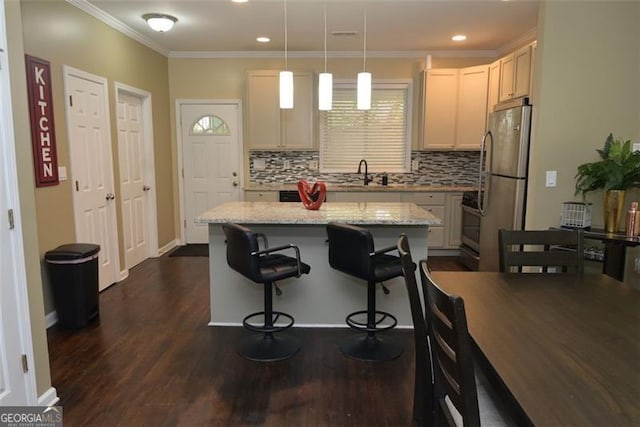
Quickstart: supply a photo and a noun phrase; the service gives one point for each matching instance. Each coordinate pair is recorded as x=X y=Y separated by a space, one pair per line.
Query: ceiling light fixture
x=364 y=78
x=325 y=80
x=286 y=77
x=159 y=21
x=239 y=1
x=459 y=38
x=263 y=39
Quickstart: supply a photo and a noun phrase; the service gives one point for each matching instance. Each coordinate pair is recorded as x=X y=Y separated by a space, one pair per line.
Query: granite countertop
x=370 y=187
x=295 y=213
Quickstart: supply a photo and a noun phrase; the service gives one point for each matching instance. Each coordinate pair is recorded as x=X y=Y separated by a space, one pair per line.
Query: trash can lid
x=72 y=251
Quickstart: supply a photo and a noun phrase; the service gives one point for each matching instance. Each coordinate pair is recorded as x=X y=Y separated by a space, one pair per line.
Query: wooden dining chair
x=562 y=249
x=423 y=386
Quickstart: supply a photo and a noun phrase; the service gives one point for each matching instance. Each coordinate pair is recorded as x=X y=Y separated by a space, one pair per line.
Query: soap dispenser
x=385 y=179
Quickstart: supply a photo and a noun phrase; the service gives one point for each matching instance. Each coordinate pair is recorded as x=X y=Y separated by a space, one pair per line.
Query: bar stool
x=266 y=267
x=351 y=251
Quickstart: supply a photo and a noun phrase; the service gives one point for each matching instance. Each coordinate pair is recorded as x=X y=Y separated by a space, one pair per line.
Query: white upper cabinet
x=515 y=72
x=493 y=93
x=440 y=108
x=269 y=127
x=455 y=108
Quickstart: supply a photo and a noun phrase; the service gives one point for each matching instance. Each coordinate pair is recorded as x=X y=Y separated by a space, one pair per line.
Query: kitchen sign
x=43 y=135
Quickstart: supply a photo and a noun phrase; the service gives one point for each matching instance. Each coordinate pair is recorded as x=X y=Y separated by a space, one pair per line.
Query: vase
x=613 y=206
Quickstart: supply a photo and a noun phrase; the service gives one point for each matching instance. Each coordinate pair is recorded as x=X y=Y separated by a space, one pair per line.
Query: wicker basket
x=576 y=215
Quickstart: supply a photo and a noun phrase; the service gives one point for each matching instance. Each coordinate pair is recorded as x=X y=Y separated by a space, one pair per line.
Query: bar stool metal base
x=371 y=348
x=268 y=347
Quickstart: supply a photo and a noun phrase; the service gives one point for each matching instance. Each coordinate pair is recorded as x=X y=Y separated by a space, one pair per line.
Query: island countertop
x=371 y=213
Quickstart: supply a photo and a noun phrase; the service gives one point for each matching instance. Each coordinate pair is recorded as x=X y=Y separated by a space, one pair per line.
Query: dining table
x=564 y=349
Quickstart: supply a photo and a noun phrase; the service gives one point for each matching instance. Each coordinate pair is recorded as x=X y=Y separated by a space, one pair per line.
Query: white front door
x=15 y=339
x=92 y=168
x=211 y=161
x=133 y=188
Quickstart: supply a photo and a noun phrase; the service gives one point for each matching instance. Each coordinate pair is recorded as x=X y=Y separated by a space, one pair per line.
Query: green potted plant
x=617 y=171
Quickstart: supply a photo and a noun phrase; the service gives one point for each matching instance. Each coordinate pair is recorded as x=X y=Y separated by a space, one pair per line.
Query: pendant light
x=286 y=77
x=325 y=82
x=364 y=78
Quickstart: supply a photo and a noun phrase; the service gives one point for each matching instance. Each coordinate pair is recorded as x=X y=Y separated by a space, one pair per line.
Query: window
x=381 y=135
x=210 y=125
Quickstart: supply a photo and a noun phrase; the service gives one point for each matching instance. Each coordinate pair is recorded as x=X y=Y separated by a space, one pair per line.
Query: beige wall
x=588 y=85
x=27 y=196
x=64 y=35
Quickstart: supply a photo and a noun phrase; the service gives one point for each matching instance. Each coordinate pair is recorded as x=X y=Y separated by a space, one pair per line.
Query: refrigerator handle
x=483 y=172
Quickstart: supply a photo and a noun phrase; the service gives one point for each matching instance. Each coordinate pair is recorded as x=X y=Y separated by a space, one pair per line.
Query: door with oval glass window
x=211 y=153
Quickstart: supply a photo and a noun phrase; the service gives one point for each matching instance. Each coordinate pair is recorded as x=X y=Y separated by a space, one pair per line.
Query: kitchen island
x=325 y=296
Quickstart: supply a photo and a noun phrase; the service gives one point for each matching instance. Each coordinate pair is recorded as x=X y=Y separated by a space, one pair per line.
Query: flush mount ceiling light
x=459 y=38
x=239 y=1
x=159 y=21
x=325 y=80
x=286 y=77
x=263 y=39
x=364 y=78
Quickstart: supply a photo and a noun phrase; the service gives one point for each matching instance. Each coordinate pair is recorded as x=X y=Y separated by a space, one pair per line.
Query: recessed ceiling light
x=159 y=21
x=459 y=38
x=263 y=39
x=239 y=1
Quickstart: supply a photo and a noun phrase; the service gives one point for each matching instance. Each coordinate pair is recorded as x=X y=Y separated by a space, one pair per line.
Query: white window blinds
x=380 y=135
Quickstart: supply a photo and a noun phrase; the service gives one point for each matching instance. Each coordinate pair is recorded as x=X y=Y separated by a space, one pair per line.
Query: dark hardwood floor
x=151 y=359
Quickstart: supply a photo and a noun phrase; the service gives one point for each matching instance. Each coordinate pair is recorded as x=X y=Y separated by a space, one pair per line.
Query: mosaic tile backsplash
x=455 y=168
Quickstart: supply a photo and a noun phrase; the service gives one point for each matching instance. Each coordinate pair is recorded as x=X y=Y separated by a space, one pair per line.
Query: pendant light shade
x=364 y=78
x=286 y=89
x=364 y=91
x=286 y=77
x=325 y=80
x=325 y=91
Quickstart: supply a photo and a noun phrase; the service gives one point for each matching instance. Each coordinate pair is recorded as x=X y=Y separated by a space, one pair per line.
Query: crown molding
x=100 y=15
x=524 y=39
x=335 y=54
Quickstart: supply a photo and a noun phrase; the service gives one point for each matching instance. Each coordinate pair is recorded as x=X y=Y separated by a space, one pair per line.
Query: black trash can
x=73 y=269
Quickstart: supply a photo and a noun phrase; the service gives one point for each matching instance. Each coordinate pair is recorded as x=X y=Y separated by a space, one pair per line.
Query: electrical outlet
x=259 y=164
x=313 y=165
x=552 y=177
x=286 y=164
x=415 y=165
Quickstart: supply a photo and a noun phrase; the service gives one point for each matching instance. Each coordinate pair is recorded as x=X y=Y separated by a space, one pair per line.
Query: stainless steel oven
x=470 y=248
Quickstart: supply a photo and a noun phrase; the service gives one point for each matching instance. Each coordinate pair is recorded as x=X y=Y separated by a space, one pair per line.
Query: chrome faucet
x=367 y=180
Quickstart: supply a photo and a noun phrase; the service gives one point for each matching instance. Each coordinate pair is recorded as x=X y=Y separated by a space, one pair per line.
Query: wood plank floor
x=151 y=359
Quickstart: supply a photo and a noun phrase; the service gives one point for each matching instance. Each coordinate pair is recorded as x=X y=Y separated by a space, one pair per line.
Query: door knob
x=234 y=174
x=146 y=188
x=235 y=183
x=110 y=196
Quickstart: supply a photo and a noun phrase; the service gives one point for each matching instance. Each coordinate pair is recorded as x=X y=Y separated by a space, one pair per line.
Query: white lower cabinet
x=260 y=196
x=445 y=206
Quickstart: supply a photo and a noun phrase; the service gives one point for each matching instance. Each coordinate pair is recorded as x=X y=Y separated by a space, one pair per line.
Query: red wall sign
x=43 y=135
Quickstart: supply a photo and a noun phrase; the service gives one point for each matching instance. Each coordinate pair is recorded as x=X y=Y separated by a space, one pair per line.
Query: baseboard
x=49 y=397
x=166 y=248
x=51 y=319
x=443 y=252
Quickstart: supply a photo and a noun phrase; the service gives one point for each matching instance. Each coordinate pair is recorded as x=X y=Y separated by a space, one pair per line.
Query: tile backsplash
x=456 y=168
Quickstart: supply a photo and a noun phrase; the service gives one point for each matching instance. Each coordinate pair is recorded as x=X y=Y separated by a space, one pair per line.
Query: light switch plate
x=313 y=165
x=259 y=164
x=62 y=173
x=636 y=146
x=552 y=177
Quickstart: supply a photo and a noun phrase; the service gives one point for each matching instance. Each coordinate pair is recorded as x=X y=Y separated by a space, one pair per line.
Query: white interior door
x=92 y=168
x=16 y=386
x=210 y=161
x=133 y=188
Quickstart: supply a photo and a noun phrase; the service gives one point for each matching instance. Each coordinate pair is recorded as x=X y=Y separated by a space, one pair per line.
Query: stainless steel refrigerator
x=503 y=176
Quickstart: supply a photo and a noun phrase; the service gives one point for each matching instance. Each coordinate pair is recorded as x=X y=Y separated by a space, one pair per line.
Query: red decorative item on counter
x=312 y=196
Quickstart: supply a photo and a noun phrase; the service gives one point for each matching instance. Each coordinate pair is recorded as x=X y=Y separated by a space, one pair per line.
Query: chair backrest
x=349 y=250
x=545 y=248
x=454 y=380
x=423 y=386
x=241 y=243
